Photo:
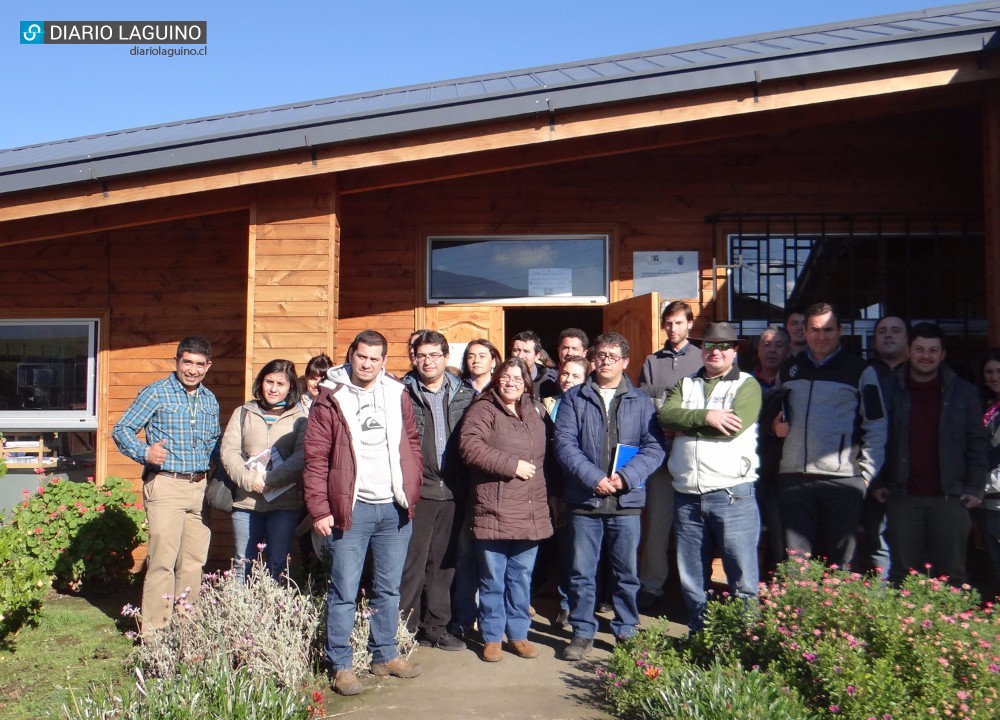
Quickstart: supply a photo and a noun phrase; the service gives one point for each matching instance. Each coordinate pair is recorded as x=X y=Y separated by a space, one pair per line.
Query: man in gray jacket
x=834 y=424
x=936 y=467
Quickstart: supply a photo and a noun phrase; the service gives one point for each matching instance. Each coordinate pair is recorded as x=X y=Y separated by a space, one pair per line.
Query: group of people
x=455 y=479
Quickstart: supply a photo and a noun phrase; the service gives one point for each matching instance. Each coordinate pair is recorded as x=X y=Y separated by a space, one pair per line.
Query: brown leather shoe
x=491 y=652
x=523 y=648
x=345 y=682
x=397 y=667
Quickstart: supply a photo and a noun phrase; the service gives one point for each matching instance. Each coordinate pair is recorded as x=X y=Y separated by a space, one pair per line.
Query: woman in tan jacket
x=503 y=444
x=262 y=451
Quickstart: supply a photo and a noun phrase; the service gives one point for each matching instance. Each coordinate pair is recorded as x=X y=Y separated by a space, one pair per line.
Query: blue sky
x=263 y=53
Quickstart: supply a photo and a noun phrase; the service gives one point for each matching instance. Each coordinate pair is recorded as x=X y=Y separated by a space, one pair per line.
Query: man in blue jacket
x=603 y=420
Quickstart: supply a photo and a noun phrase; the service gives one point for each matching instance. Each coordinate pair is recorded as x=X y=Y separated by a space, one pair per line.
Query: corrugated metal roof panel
x=834 y=46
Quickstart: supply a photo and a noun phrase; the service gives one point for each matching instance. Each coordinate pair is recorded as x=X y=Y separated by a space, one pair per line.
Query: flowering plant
x=851 y=647
x=80 y=530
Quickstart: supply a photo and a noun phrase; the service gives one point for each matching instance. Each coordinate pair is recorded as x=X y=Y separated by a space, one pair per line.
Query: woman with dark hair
x=315 y=374
x=991 y=500
x=503 y=445
x=479 y=362
x=262 y=451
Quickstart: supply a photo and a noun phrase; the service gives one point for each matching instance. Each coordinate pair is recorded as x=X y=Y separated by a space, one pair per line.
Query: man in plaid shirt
x=180 y=418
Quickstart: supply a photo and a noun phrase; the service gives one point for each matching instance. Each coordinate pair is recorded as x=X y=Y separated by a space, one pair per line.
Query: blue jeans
x=587 y=535
x=386 y=528
x=276 y=529
x=725 y=521
x=505 y=588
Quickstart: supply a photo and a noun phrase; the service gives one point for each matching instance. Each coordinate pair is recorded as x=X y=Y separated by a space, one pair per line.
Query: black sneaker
x=604 y=607
x=577 y=649
x=447 y=641
x=561 y=620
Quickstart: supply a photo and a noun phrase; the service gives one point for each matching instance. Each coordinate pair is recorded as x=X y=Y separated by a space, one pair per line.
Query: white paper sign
x=672 y=274
x=544 y=282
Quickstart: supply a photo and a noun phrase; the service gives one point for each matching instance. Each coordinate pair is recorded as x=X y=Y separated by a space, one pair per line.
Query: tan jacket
x=247 y=434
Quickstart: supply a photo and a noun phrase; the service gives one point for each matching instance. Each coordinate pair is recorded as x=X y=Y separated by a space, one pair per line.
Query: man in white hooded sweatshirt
x=361 y=481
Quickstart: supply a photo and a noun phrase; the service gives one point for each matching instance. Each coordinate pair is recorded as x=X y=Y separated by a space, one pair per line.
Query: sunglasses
x=723 y=346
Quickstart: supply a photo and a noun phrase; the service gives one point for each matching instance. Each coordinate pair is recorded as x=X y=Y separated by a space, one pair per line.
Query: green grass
x=75 y=643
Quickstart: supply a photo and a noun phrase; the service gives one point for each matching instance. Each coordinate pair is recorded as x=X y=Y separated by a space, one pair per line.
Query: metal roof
x=881 y=40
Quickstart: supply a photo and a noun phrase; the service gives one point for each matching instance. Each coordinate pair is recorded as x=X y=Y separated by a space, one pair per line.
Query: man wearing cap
x=713 y=464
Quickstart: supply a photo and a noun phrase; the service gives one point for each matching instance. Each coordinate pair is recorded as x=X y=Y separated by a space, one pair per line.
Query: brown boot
x=397 y=667
x=345 y=682
x=523 y=648
x=491 y=652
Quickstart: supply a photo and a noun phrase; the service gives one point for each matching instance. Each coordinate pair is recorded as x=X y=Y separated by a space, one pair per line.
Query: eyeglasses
x=420 y=357
x=608 y=358
x=512 y=381
x=721 y=346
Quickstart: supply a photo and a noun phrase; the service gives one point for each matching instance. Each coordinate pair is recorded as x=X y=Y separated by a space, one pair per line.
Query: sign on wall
x=672 y=274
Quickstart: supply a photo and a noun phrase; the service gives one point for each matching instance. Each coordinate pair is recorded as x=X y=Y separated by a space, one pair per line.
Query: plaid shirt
x=163 y=409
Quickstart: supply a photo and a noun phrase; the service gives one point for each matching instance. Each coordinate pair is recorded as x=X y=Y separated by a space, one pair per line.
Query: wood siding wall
x=658 y=200
x=160 y=282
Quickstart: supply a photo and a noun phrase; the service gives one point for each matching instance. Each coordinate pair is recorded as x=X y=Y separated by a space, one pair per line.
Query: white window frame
x=59 y=420
x=605 y=238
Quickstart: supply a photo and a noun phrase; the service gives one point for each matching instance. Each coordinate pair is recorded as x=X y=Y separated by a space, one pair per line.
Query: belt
x=190 y=477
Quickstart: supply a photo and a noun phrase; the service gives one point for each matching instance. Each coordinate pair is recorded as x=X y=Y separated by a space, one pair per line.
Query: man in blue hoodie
x=600 y=423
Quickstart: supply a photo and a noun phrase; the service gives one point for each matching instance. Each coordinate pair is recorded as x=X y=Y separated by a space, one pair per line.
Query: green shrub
x=202 y=691
x=80 y=531
x=23 y=584
x=845 y=644
x=724 y=692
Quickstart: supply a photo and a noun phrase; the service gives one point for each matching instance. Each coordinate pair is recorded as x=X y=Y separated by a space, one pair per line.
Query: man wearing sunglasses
x=713 y=463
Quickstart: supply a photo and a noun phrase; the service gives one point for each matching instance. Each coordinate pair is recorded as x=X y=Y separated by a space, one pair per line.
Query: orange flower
x=652 y=672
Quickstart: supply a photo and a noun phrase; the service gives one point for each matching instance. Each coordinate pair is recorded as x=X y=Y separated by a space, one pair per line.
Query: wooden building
x=857 y=162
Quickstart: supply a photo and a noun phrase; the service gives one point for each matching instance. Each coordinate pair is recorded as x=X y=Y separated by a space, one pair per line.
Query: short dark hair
x=528 y=336
x=574 y=333
x=520 y=364
x=577 y=359
x=318 y=365
x=286 y=368
x=613 y=339
x=196 y=345
x=928 y=330
x=794 y=310
x=675 y=307
x=430 y=337
x=906 y=323
x=822 y=308
x=494 y=353
x=369 y=337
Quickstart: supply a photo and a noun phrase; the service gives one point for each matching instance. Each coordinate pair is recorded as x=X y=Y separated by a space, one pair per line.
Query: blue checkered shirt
x=164 y=411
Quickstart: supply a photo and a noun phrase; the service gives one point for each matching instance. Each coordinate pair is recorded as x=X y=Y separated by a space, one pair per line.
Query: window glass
x=549 y=268
x=47 y=373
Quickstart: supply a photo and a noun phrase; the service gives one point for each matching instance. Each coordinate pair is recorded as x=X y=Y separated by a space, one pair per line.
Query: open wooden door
x=638 y=319
x=462 y=324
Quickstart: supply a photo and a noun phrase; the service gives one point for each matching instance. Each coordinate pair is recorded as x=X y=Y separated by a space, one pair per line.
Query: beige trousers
x=178 y=547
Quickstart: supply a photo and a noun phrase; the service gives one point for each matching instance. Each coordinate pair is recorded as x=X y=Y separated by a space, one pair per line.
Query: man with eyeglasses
x=834 y=423
x=439 y=401
x=713 y=463
x=660 y=373
x=608 y=443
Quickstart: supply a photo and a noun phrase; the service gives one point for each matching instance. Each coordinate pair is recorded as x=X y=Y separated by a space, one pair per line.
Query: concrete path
x=458 y=685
